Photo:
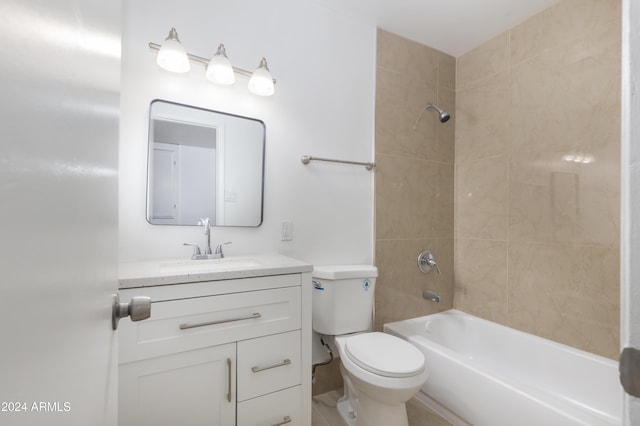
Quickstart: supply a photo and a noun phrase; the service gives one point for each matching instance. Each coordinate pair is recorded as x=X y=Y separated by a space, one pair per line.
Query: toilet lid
x=384 y=354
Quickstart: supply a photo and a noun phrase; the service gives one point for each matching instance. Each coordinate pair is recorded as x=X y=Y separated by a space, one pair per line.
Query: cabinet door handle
x=284 y=421
x=284 y=362
x=229 y=379
x=186 y=326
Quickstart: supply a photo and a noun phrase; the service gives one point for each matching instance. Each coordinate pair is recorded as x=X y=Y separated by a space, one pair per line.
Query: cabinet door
x=194 y=387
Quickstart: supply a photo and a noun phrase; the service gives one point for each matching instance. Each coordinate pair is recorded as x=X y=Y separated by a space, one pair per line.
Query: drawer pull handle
x=286 y=420
x=284 y=362
x=229 y=379
x=203 y=324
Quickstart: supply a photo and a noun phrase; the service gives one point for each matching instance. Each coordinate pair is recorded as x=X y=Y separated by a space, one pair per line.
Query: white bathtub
x=485 y=374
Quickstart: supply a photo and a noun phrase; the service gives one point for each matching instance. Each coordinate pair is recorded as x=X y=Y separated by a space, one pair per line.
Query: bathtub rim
x=538 y=394
x=543 y=340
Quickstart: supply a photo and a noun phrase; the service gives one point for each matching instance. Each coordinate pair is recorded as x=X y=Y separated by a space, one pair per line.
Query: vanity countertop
x=178 y=271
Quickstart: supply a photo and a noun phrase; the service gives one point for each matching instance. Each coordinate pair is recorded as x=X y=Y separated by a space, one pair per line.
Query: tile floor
x=325 y=413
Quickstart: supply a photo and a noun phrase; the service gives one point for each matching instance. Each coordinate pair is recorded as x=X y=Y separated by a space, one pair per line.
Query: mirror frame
x=149 y=153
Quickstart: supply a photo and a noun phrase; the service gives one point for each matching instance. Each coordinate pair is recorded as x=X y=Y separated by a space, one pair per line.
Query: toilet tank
x=343 y=298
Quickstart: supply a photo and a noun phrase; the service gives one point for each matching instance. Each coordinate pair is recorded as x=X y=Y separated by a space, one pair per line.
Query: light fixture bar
x=205 y=62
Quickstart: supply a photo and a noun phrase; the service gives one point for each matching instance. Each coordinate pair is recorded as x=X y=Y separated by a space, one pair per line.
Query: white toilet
x=381 y=372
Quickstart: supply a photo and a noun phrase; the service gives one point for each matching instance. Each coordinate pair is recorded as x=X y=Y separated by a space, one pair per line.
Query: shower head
x=444 y=116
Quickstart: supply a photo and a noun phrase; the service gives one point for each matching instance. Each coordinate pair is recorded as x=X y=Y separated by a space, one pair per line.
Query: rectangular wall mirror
x=204 y=163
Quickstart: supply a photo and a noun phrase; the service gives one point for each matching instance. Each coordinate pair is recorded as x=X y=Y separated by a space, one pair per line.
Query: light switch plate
x=286 y=230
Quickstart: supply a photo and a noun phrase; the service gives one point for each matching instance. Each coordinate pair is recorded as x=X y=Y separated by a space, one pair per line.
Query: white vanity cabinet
x=228 y=351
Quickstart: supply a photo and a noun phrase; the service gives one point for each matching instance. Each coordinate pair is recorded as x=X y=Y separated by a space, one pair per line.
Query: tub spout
x=430 y=295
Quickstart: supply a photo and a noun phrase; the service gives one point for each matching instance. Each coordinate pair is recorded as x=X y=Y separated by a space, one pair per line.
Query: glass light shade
x=261 y=82
x=172 y=56
x=219 y=69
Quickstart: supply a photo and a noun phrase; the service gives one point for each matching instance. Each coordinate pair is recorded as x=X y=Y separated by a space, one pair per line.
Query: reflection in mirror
x=204 y=163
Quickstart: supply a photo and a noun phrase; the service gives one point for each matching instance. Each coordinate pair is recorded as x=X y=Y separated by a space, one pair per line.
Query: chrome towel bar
x=307 y=158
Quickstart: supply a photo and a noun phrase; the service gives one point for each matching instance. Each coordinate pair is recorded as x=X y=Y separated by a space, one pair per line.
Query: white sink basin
x=209 y=265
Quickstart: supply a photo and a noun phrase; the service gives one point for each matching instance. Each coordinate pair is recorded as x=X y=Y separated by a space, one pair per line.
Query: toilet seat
x=384 y=355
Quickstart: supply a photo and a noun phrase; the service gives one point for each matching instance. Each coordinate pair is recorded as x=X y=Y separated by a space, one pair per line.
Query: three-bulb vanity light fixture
x=173 y=57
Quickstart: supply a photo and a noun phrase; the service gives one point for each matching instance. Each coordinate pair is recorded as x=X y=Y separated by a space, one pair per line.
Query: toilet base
x=348 y=403
x=346 y=412
x=357 y=408
x=372 y=413
x=372 y=400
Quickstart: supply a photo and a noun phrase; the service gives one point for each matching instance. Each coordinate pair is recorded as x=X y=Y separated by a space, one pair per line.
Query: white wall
x=324 y=64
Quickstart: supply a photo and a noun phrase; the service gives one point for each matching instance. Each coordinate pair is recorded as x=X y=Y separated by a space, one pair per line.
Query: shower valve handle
x=426 y=261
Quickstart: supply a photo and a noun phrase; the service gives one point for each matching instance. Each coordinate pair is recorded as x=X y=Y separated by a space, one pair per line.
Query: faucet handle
x=219 y=248
x=196 y=248
x=426 y=261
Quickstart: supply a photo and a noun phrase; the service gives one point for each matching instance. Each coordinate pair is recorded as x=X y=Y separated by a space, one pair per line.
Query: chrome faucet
x=430 y=295
x=207 y=231
x=426 y=261
x=208 y=253
x=218 y=251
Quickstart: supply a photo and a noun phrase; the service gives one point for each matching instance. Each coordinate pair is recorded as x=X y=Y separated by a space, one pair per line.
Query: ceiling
x=452 y=26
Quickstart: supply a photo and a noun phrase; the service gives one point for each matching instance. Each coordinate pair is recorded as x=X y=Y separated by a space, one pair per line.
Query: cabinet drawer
x=187 y=324
x=279 y=408
x=268 y=364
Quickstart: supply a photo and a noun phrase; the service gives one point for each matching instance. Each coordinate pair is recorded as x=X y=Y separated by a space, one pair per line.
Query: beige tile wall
x=537 y=236
x=414 y=177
